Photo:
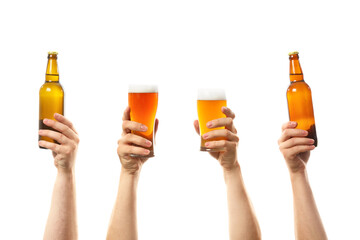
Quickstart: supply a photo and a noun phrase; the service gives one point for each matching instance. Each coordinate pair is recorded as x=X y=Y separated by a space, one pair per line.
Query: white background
x=241 y=46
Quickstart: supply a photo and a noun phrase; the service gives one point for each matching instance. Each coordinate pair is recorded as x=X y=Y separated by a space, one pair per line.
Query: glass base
x=204 y=149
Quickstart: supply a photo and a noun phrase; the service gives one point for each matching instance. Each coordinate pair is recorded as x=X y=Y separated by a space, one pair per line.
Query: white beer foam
x=140 y=88
x=211 y=94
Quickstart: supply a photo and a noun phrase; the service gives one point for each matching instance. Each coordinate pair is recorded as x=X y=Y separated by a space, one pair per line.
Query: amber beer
x=299 y=99
x=51 y=95
x=143 y=102
x=209 y=104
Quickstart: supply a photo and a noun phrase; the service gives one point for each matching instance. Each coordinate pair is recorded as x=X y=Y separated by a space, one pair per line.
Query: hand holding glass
x=209 y=104
x=143 y=101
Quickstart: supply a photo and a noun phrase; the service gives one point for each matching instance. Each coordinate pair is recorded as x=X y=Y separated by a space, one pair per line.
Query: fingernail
x=305 y=133
x=207 y=144
x=148 y=143
x=146 y=152
x=225 y=108
x=40 y=132
x=45 y=120
x=311 y=141
x=209 y=124
x=143 y=127
x=292 y=124
x=205 y=136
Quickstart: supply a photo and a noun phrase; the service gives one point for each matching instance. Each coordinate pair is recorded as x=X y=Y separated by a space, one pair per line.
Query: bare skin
x=296 y=148
x=62 y=222
x=243 y=223
x=123 y=222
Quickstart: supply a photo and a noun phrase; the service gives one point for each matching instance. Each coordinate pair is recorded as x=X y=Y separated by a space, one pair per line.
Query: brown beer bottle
x=51 y=95
x=299 y=99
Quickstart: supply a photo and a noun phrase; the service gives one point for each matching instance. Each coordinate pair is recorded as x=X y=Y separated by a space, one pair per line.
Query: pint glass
x=209 y=105
x=143 y=101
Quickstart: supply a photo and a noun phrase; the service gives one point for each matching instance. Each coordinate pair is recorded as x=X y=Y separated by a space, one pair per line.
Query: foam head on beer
x=143 y=102
x=140 y=88
x=209 y=104
x=211 y=94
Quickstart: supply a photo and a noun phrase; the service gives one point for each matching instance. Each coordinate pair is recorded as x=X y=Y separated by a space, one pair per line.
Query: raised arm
x=62 y=223
x=123 y=223
x=296 y=148
x=243 y=223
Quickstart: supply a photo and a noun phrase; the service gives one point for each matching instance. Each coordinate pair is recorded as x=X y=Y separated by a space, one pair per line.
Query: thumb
x=196 y=126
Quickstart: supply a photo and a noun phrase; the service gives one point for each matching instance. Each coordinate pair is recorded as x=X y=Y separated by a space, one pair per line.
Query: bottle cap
x=52 y=53
x=292 y=53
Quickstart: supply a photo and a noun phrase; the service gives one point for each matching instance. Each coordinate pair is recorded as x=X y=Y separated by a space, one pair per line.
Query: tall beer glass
x=209 y=105
x=143 y=102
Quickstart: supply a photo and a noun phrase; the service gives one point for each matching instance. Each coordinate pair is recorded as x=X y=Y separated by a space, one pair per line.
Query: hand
x=68 y=140
x=228 y=157
x=130 y=144
x=295 y=147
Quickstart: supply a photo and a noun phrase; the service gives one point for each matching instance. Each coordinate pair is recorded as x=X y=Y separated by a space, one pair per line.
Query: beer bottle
x=51 y=95
x=299 y=99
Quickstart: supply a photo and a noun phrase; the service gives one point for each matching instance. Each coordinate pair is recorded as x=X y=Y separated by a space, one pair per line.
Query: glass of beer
x=209 y=104
x=143 y=102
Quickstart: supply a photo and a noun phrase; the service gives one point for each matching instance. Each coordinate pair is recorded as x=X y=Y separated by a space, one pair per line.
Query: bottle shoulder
x=299 y=86
x=51 y=86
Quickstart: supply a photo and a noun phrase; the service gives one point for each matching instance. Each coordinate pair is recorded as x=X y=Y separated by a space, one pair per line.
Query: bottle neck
x=296 y=74
x=52 y=74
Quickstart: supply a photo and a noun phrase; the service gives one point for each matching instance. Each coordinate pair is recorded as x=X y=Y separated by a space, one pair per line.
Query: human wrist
x=231 y=169
x=130 y=172
x=66 y=171
x=298 y=176
x=232 y=172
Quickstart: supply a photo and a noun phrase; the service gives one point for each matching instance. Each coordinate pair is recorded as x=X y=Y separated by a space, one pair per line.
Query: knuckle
x=67 y=151
x=228 y=133
x=280 y=148
x=126 y=138
x=61 y=137
x=73 y=145
x=124 y=124
x=133 y=150
x=286 y=132
x=57 y=148
x=292 y=141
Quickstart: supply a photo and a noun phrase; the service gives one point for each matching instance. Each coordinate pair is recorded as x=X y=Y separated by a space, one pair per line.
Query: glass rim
x=143 y=88
x=211 y=94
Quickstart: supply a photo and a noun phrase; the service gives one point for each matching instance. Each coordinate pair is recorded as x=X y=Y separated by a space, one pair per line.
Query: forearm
x=62 y=223
x=243 y=223
x=123 y=222
x=308 y=224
